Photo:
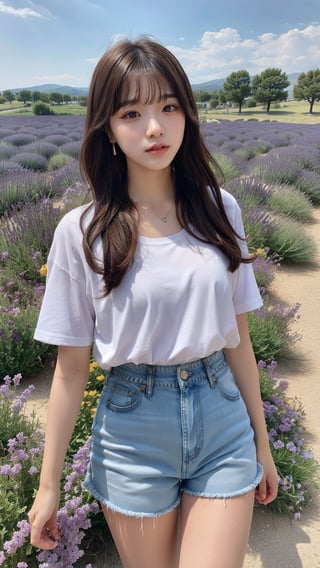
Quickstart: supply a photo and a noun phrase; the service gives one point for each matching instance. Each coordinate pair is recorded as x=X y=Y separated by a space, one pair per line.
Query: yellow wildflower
x=44 y=270
x=100 y=378
x=92 y=393
x=261 y=252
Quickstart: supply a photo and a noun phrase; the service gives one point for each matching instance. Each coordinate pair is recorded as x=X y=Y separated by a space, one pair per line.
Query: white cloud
x=219 y=53
x=62 y=79
x=92 y=60
x=19 y=12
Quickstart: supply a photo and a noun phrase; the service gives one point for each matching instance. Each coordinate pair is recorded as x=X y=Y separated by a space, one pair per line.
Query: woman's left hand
x=267 y=489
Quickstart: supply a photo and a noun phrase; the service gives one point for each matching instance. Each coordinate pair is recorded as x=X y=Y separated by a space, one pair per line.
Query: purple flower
x=5 y=469
x=16 y=379
x=278 y=445
x=291 y=447
x=18 y=538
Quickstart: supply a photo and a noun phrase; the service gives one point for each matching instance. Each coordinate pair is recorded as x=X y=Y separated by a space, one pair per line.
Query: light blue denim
x=162 y=430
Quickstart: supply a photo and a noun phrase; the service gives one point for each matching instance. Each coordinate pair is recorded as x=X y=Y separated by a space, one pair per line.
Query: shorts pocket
x=122 y=396
x=227 y=384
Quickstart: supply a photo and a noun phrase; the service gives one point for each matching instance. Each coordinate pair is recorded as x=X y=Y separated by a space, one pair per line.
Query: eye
x=170 y=108
x=131 y=114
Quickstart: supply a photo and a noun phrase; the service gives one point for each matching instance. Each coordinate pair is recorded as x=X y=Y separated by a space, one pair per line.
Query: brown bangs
x=145 y=87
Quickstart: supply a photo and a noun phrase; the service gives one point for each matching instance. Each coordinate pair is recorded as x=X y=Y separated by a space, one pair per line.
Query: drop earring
x=114 y=149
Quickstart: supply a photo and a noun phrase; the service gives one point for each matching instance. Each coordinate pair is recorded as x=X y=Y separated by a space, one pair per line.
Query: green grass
x=13 y=107
x=22 y=110
x=291 y=111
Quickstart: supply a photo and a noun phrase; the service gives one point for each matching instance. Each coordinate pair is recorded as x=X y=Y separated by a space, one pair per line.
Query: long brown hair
x=114 y=216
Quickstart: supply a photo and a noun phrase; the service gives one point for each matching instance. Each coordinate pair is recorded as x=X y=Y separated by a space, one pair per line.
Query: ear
x=110 y=136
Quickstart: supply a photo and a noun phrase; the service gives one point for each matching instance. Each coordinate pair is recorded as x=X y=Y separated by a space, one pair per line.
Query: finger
x=43 y=541
x=261 y=492
x=44 y=537
x=53 y=532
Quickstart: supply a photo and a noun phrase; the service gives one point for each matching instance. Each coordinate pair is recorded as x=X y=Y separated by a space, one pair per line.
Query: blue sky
x=59 y=41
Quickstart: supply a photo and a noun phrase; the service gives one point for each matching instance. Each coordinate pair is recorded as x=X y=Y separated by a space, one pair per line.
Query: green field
x=18 y=108
x=291 y=111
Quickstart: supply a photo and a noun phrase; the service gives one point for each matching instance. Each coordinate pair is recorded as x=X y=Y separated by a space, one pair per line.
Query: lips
x=157 y=147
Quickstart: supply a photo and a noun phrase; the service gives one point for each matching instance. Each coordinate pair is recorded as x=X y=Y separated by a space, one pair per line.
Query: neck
x=152 y=188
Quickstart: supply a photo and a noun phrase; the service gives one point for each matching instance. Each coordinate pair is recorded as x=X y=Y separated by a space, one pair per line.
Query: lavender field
x=273 y=170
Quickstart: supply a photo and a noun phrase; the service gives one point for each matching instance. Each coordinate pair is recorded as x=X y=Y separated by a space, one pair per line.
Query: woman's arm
x=69 y=381
x=244 y=367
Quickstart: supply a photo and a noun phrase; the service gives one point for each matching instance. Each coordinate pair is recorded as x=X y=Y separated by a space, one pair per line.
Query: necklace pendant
x=164 y=219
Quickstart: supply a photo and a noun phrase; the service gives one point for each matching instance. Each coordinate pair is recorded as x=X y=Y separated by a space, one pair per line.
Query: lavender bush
x=271 y=330
x=43 y=148
x=19 y=477
x=298 y=470
x=31 y=161
x=8 y=167
x=19 y=308
x=20 y=139
x=21 y=185
x=287 y=238
x=59 y=160
x=288 y=201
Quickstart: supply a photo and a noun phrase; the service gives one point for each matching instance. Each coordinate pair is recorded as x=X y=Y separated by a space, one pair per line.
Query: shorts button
x=184 y=374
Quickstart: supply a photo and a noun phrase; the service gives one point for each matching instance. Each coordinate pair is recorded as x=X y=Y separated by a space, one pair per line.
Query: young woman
x=155 y=273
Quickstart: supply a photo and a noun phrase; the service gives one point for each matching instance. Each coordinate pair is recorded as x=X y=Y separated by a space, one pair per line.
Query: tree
x=204 y=96
x=214 y=99
x=9 y=96
x=270 y=86
x=237 y=87
x=56 y=98
x=66 y=98
x=45 y=98
x=24 y=95
x=82 y=101
x=307 y=88
x=36 y=96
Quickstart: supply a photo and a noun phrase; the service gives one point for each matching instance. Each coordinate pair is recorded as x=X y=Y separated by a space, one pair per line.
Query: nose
x=154 y=127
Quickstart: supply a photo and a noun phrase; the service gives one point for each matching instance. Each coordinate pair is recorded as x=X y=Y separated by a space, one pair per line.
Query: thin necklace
x=164 y=218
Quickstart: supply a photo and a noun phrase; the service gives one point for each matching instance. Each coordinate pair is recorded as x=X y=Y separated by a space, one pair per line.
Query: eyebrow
x=134 y=100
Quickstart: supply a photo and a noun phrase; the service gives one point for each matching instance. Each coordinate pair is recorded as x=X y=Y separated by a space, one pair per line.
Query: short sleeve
x=67 y=314
x=245 y=291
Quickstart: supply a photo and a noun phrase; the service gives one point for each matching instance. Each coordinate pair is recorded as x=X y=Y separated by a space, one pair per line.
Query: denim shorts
x=162 y=430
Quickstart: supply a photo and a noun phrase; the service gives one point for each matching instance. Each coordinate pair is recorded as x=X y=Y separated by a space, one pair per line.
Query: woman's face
x=149 y=134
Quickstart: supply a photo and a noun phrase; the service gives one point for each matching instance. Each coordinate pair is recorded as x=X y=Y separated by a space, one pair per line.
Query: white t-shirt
x=177 y=302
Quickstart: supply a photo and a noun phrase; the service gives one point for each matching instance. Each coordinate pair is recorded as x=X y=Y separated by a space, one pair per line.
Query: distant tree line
x=267 y=87
x=26 y=96
x=238 y=88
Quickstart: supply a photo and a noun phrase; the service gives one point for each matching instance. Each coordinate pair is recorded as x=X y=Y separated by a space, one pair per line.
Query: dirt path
x=276 y=541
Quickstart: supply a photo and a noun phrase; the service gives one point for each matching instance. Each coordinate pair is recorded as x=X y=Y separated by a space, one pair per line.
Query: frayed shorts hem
x=116 y=509
x=229 y=494
x=201 y=494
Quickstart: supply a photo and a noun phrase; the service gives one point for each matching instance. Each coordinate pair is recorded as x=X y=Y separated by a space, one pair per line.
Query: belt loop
x=150 y=381
x=210 y=374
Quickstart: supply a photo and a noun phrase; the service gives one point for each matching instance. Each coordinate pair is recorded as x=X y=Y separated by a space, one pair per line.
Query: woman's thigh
x=215 y=532
x=144 y=542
